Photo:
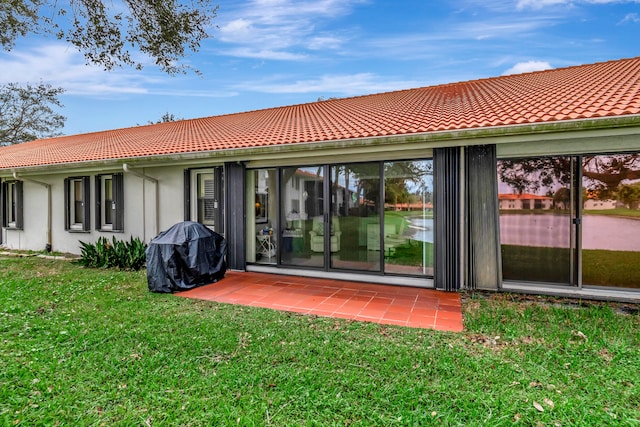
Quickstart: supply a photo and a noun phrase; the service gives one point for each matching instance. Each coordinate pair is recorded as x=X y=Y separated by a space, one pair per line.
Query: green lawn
x=94 y=347
x=599 y=267
x=621 y=212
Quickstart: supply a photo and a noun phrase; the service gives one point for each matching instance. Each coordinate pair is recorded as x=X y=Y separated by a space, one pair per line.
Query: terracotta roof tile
x=584 y=92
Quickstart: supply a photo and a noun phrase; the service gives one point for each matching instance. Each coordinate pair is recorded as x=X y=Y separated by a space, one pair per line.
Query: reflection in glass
x=206 y=198
x=263 y=223
x=78 y=212
x=107 y=204
x=355 y=211
x=535 y=219
x=611 y=220
x=408 y=218
x=302 y=217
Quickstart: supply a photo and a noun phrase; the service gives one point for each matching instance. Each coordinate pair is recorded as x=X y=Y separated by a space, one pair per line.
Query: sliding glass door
x=355 y=216
x=610 y=236
x=371 y=217
x=408 y=217
x=536 y=215
x=302 y=216
x=571 y=219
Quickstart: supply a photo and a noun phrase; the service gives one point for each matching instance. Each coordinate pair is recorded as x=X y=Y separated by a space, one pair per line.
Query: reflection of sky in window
x=425 y=184
x=533 y=177
x=414 y=186
x=611 y=165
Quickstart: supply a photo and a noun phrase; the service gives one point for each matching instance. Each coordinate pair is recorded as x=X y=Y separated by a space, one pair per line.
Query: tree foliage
x=166 y=118
x=630 y=195
x=107 y=32
x=27 y=112
x=603 y=174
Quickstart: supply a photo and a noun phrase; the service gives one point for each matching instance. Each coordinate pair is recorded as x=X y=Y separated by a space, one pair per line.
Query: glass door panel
x=408 y=218
x=611 y=220
x=354 y=226
x=302 y=216
x=263 y=226
x=535 y=202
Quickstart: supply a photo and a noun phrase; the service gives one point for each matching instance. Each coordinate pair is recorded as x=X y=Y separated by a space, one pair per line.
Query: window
x=580 y=223
x=109 y=202
x=408 y=240
x=536 y=235
x=12 y=204
x=77 y=206
x=204 y=201
x=374 y=217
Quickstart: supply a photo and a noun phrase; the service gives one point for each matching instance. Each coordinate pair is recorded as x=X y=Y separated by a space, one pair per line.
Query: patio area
x=365 y=302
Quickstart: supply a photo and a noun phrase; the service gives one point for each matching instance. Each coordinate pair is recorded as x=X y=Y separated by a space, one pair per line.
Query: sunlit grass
x=94 y=347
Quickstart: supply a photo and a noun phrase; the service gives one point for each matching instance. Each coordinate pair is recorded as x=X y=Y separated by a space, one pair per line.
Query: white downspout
x=127 y=169
x=48 y=247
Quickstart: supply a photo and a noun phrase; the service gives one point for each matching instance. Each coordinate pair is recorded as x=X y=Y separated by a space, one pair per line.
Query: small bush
x=113 y=254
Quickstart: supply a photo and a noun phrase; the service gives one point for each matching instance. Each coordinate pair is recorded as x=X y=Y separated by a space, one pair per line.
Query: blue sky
x=269 y=53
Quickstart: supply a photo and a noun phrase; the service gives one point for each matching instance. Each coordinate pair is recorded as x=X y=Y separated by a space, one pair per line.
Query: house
x=344 y=172
x=524 y=201
x=596 y=204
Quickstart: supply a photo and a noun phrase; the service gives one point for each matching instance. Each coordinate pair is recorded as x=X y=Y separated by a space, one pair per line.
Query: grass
x=543 y=264
x=94 y=347
x=620 y=212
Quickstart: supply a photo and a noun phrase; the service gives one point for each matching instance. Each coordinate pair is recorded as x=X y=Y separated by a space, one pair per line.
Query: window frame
x=117 y=203
x=70 y=201
x=12 y=209
x=191 y=196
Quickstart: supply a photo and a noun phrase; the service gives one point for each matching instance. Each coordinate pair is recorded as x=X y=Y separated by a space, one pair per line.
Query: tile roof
x=523 y=196
x=606 y=89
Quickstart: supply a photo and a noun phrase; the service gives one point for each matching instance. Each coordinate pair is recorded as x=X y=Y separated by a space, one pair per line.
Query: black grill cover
x=185 y=256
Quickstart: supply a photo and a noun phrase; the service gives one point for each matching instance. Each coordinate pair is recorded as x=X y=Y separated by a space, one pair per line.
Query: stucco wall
x=139 y=210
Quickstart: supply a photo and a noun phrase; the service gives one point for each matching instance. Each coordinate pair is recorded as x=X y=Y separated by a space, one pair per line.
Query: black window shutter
x=19 y=203
x=98 y=193
x=118 y=199
x=187 y=194
x=86 y=202
x=67 y=206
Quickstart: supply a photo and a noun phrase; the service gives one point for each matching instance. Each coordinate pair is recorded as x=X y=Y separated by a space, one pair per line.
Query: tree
x=602 y=173
x=163 y=30
x=608 y=171
x=562 y=198
x=166 y=118
x=27 y=112
x=630 y=195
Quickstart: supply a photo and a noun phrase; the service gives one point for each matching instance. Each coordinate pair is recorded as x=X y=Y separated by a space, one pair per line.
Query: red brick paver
x=366 y=302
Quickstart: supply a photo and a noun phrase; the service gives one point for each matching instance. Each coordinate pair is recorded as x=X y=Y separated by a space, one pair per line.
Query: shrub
x=113 y=254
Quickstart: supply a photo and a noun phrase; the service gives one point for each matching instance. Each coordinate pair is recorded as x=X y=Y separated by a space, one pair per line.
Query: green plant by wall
x=113 y=254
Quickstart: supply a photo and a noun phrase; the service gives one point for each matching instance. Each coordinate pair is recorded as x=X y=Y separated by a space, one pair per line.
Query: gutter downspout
x=127 y=169
x=48 y=246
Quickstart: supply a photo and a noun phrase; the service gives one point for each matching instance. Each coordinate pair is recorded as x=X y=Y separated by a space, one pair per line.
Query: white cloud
x=325 y=42
x=539 y=4
x=633 y=18
x=527 y=67
x=282 y=29
x=343 y=85
x=278 y=55
x=59 y=65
